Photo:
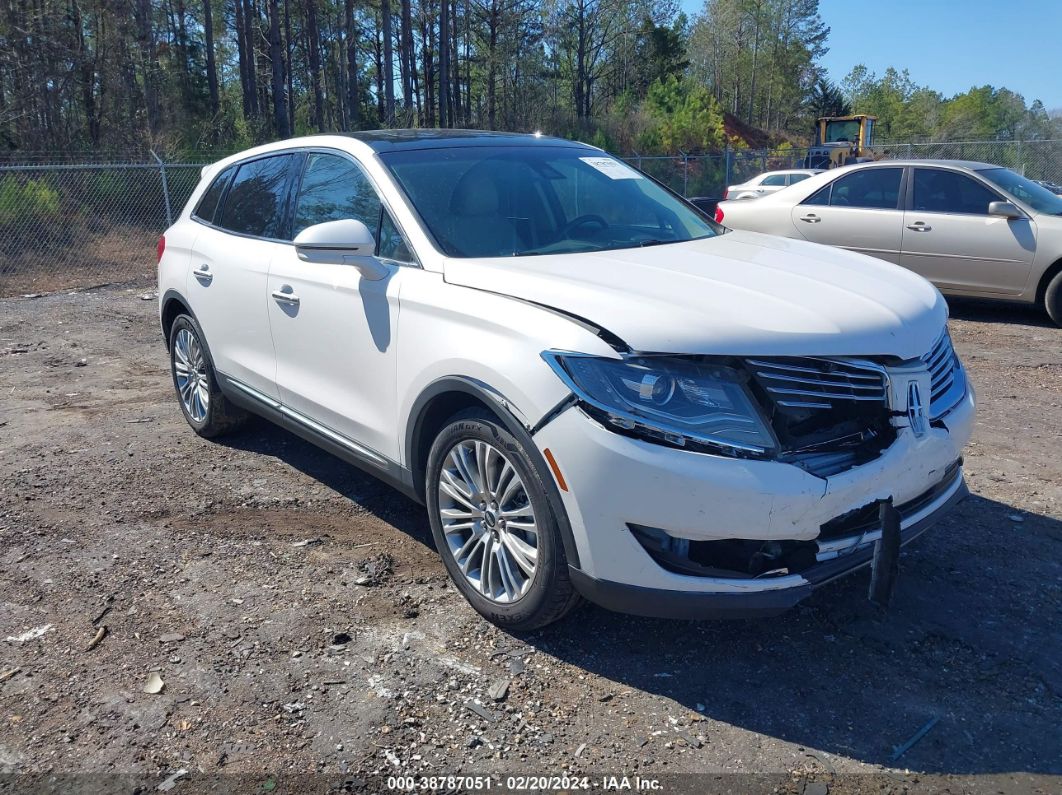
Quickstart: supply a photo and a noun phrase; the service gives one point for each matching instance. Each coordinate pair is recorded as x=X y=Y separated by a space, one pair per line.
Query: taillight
x=726 y=194
x=719 y=215
x=160 y=249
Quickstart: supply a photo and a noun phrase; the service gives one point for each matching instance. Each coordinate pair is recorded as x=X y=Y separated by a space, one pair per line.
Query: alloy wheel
x=190 y=372
x=488 y=521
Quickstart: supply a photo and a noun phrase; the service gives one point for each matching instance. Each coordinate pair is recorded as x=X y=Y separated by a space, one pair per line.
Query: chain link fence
x=709 y=175
x=65 y=225
x=74 y=221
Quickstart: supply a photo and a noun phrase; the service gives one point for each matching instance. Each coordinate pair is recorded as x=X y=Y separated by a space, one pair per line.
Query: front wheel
x=494 y=526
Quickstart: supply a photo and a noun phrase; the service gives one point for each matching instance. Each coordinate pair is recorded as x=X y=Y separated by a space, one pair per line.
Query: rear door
x=333 y=330
x=860 y=211
x=950 y=238
x=230 y=265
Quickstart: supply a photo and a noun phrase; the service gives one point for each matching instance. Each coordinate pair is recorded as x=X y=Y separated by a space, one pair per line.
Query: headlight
x=669 y=398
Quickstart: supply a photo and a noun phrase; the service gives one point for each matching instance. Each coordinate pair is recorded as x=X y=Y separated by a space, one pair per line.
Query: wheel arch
x=173 y=304
x=1048 y=276
x=445 y=397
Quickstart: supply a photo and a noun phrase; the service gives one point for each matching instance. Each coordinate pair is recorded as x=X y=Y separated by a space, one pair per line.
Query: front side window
x=523 y=200
x=938 y=191
x=1036 y=196
x=256 y=201
x=333 y=189
x=774 y=179
x=391 y=244
x=875 y=188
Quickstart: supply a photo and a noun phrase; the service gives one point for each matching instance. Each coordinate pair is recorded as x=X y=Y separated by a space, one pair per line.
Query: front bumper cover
x=664 y=603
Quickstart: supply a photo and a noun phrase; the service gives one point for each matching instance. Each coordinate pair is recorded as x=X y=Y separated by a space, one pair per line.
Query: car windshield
x=1036 y=196
x=526 y=200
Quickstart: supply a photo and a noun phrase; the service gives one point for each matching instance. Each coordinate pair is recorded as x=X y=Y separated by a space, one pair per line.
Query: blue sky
x=949 y=45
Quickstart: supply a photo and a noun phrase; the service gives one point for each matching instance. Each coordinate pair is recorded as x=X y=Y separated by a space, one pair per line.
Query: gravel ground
x=305 y=630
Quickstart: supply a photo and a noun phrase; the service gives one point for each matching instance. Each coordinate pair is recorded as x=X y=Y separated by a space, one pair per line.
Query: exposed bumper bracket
x=885 y=564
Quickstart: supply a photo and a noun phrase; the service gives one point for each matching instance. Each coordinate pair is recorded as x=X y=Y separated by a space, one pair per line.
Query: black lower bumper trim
x=663 y=603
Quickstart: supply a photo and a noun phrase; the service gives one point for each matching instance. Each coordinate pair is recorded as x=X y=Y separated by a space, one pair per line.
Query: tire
x=1053 y=299
x=508 y=595
x=204 y=406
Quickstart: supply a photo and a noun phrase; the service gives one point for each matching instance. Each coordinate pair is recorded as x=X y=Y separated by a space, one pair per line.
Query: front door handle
x=203 y=273
x=285 y=295
x=810 y=218
x=919 y=226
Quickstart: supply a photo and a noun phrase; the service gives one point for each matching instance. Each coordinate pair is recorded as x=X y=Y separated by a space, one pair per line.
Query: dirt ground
x=308 y=639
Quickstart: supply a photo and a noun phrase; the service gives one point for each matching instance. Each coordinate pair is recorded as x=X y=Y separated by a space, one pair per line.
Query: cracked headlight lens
x=669 y=398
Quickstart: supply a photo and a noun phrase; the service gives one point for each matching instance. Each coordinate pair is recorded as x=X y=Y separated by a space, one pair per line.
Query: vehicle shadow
x=971 y=639
x=984 y=311
x=264 y=438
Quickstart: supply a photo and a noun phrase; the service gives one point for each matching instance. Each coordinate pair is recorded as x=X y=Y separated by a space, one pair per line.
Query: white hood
x=737 y=294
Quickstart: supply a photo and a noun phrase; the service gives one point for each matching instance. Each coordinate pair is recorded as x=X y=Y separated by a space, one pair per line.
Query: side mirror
x=344 y=242
x=1005 y=210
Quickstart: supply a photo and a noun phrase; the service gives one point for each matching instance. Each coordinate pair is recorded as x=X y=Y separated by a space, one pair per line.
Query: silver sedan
x=970 y=228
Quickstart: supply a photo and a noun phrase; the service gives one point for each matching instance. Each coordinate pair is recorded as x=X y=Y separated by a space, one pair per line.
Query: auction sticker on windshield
x=613 y=169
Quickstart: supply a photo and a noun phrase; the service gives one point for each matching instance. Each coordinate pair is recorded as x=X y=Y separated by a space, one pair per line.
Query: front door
x=334 y=331
x=950 y=238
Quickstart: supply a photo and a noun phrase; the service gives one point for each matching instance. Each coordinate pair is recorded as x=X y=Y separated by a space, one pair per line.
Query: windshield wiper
x=531 y=252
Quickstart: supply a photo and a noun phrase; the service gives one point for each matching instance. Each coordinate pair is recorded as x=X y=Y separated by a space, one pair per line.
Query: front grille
x=946 y=376
x=813 y=383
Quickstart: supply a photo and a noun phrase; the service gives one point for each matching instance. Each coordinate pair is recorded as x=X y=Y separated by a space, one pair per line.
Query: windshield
x=525 y=200
x=837 y=131
x=1036 y=196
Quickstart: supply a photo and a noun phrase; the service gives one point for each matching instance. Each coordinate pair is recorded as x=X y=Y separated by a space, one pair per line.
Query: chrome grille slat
x=815 y=383
x=840 y=368
x=776 y=390
x=947 y=388
x=824 y=382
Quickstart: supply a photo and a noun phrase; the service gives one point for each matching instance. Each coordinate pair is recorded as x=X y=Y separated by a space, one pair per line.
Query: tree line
x=630 y=75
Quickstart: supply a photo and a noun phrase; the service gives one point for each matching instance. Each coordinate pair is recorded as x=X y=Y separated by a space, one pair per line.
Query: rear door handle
x=285 y=295
x=919 y=226
x=203 y=273
x=810 y=218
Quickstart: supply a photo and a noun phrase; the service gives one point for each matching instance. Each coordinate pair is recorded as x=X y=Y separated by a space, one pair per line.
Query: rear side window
x=333 y=188
x=774 y=179
x=208 y=205
x=795 y=178
x=937 y=191
x=875 y=188
x=256 y=200
x=819 y=198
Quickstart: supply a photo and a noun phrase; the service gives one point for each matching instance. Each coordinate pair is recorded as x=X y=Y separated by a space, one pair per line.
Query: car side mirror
x=343 y=242
x=1005 y=210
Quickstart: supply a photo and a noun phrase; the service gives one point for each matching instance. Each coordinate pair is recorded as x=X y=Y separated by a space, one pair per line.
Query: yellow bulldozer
x=840 y=140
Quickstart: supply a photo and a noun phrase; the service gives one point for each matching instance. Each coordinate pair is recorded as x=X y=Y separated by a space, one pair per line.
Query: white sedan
x=970 y=228
x=769 y=182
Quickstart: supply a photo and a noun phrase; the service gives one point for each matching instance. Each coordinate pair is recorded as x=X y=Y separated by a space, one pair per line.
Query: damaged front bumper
x=837 y=559
x=816 y=528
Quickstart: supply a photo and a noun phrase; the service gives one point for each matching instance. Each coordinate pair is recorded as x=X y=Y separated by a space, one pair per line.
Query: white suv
x=593 y=389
